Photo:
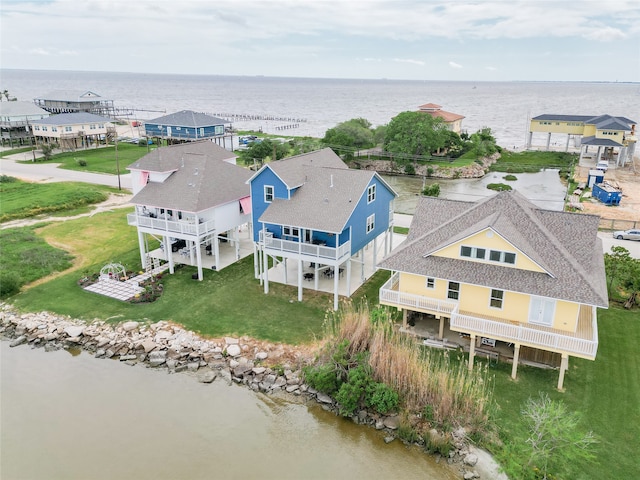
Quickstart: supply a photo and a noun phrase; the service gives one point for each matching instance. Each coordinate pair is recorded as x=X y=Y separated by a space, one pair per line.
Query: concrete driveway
x=49 y=172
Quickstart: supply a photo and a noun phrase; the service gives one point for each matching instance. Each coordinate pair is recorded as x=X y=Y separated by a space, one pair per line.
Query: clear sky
x=545 y=40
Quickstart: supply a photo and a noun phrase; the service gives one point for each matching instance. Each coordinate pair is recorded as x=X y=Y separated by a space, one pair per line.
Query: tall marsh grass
x=443 y=392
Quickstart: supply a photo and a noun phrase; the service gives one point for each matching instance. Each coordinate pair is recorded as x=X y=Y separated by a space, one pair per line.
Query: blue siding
x=190 y=133
x=258 y=205
x=379 y=207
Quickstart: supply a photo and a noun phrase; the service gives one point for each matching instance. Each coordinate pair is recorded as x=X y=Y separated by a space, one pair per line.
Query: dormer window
x=268 y=193
x=371 y=193
x=473 y=252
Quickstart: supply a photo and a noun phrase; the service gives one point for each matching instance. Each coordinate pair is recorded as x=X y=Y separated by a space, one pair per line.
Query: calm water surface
x=83 y=418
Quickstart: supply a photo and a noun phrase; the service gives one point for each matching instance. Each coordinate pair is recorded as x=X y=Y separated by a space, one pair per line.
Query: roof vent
x=331 y=181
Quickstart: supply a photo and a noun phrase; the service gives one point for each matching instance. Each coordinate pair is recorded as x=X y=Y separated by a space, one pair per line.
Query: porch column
x=265 y=266
x=236 y=238
x=299 y=280
x=516 y=356
x=216 y=251
x=256 y=261
x=143 y=250
x=564 y=364
x=548 y=140
x=286 y=275
x=169 y=254
x=441 y=329
x=361 y=254
x=315 y=275
x=375 y=254
x=530 y=140
x=386 y=241
x=336 y=280
x=566 y=147
x=472 y=350
x=404 y=318
x=349 y=276
x=199 y=260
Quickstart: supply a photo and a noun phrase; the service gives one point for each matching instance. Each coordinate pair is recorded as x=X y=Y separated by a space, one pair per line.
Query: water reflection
x=88 y=418
x=543 y=188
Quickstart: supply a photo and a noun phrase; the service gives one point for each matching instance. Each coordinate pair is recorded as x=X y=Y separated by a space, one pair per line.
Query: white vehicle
x=602 y=165
x=633 y=234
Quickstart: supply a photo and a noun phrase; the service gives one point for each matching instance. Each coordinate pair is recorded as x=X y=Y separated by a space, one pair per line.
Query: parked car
x=633 y=234
x=178 y=244
x=602 y=165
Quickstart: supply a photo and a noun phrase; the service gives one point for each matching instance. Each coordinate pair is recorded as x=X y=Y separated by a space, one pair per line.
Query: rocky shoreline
x=260 y=366
x=474 y=170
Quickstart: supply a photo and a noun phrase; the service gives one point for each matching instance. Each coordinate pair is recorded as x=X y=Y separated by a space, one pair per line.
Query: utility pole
x=117 y=162
x=30 y=133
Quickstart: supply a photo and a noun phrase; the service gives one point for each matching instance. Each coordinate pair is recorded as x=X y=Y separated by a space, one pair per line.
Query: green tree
x=623 y=271
x=555 y=441
x=354 y=134
x=484 y=143
x=414 y=133
x=47 y=151
x=266 y=148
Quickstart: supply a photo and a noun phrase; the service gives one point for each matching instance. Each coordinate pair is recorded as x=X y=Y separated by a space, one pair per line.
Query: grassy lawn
x=23 y=199
x=230 y=302
x=100 y=160
x=13 y=151
x=512 y=162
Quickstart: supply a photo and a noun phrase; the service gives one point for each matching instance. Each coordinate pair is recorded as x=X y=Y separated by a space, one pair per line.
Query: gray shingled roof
x=72 y=96
x=621 y=123
x=564 y=244
x=188 y=118
x=200 y=180
x=169 y=158
x=72 y=119
x=14 y=109
x=329 y=191
x=593 y=140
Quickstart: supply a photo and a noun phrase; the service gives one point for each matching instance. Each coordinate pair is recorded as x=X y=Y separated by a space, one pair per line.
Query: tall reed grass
x=444 y=392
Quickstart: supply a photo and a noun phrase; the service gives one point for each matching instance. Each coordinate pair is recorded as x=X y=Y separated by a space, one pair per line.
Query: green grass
x=13 y=151
x=511 y=162
x=23 y=199
x=229 y=302
x=401 y=230
x=26 y=258
x=100 y=160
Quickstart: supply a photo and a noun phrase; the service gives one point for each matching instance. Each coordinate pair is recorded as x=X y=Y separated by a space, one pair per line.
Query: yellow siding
x=493 y=242
x=610 y=134
x=589 y=130
x=555 y=127
x=476 y=299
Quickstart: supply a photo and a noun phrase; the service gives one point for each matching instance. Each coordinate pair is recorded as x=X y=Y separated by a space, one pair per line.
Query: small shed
x=606 y=194
x=595 y=176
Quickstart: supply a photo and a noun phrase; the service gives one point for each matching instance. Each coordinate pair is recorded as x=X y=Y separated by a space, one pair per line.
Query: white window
x=542 y=311
x=54 y=129
x=67 y=128
x=502 y=257
x=202 y=132
x=290 y=231
x=37 y=128
x=44 y=129
x=497 y=296
x=101 y=125
x=92 y=126
x=453 y=291
x=268 y=193
x=371 y=193
x=371 y=222
x=431 y=283
x=473 y=252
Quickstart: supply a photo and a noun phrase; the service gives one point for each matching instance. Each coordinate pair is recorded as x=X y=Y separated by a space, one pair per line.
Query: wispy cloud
x=455 y=65
x=409 y=60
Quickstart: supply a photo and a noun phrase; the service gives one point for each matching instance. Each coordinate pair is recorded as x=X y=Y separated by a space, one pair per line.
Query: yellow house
x=505 y=270
x=612 y=137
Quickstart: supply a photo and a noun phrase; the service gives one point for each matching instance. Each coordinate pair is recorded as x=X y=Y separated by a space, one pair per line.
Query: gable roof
x=188 y=118
x=327 y=195
x=600 y=121
x=75 y=118
x=170 y=158
x=199 y=180
x=564 y=244
x=72 y=96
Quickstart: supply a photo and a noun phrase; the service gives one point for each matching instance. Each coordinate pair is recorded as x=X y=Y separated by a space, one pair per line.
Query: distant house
x=73 y=101
x=188 y=126
x=15 y=120
x=72 y=130
x=503 y=270
x=452 y=120
x=191 y=198
x=613 y=137
x=314 y=211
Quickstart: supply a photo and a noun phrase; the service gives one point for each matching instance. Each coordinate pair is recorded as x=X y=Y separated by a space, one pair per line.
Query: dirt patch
x=626 y=179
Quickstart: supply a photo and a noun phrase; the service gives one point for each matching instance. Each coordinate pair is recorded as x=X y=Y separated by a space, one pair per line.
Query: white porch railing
x=534 y=337
x=543 y=338
x=171 y=226
x=307 y=249
x=390 y=295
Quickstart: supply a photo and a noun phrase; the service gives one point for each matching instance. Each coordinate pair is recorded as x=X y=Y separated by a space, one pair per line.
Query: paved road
x=49 y=172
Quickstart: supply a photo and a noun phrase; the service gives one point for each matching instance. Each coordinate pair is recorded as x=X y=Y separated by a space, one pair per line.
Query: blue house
x=187 y=126
x=313 y=210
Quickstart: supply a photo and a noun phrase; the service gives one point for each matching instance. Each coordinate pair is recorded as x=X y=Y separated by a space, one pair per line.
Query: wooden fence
x=614 y=224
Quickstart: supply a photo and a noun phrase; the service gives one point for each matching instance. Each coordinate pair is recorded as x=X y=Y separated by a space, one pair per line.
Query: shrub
x=7 y=179
x=499 y=187
x=430 y=171
x=382 y=398
x=409 y=169
x=352 y=393
x=407 y=433
x=10 y=283
x=510 y=178
x=432 y=190
x=323 y=378
x=82 y=162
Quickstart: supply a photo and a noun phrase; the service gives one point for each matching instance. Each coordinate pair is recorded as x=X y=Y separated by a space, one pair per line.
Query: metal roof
x=188 y=118
x=16 y=109
x=72 y=96
x=75 y=118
